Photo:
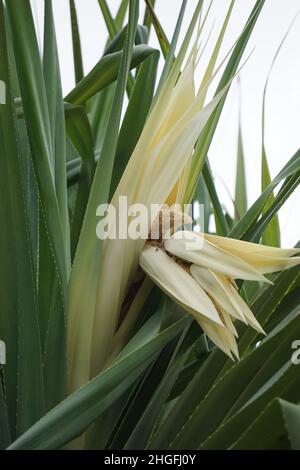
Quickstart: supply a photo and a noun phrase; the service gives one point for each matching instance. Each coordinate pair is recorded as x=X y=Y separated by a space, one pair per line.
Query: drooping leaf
x=105 y=73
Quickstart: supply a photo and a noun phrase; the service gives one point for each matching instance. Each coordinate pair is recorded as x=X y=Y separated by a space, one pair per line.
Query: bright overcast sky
x=283 y=99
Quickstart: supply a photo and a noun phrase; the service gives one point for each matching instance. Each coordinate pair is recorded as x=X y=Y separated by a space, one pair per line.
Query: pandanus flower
x=162 y=169
x=198 y=271
x=157 y=173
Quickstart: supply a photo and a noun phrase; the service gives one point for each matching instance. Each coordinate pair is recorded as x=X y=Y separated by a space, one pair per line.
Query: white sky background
x=283 y=98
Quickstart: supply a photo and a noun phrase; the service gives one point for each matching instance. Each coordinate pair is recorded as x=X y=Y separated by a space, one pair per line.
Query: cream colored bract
x=213 y=299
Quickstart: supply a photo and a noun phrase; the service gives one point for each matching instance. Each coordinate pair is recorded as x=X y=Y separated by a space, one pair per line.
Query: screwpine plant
x=123 y=343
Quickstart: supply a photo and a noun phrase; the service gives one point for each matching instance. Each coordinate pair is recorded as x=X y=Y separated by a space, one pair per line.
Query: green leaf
x=69 y=419
x=187 y=373
x=99 y=116
x=149 y=422
x=109 y=20
x=212 y=411
x=80 y=133
x=100 y=105
x=271 y=235
x=196 y=390
x=73 y=164
x=241 y=185
x=266 y=303
x=147 y=18
x=282 y=382
x=130 y=422
x=104 y=73
x=285 y=192
x=51 y=298
x=121 y=13
x=73 y=171
x=76 y=42
x=18 y=297
x=141 y=35
x=272 y=363
x=221 y=222
x=117 y=43
x=289 y=304
x=102 y=432
x=32 y=197
x=37 y=120
x=230 y=432
x=202 y=197
x=201 y=395
x=5 y=439
x=249 y=227
x=277 y=427
x=161 y=36
x=113 y=29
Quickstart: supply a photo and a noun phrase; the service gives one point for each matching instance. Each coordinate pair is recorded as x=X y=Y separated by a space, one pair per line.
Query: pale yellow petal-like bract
x=177 y=282
x=204 y=253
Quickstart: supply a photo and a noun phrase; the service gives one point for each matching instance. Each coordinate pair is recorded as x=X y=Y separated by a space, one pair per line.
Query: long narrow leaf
x=104 y=73
x=76 y=42
x=18 y=298
x=72 y=417
x=88 y=258
x=161 y=36
x=241 y=202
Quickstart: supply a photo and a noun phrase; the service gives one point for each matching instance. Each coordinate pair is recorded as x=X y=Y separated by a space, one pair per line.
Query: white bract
x=202 y=279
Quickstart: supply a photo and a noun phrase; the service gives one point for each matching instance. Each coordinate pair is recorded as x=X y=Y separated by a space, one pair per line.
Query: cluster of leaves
x=168 y=388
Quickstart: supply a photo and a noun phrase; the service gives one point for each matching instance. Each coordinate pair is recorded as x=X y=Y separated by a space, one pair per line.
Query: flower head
x=198 y=271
